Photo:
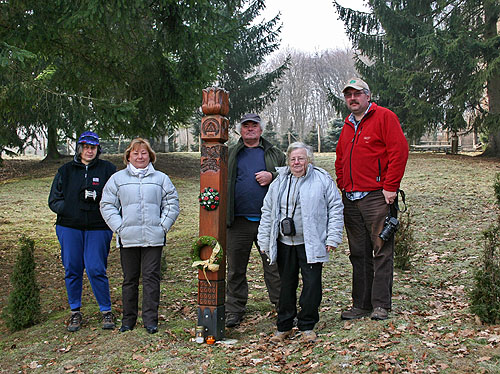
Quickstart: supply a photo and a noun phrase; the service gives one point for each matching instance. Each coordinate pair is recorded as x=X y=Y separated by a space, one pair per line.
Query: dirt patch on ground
x=181 y=165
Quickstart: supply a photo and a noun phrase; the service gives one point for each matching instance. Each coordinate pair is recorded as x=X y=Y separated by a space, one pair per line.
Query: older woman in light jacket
x=302 y=220
x=140 y=204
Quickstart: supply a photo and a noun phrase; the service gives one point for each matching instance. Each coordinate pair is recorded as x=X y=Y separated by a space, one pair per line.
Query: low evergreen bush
x=404 y=243
x=485 y=295
x=23 y=307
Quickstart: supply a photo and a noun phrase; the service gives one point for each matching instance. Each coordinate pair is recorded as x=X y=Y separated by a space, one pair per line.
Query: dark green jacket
x=273 y=158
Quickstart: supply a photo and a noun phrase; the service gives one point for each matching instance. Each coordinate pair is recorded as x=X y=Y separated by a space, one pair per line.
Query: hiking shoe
x=379 y=314
x=108 y=321
x=308 y=336
x=151 y=329
x=279 y=336
x=126 y=328
x=75 y=322
x=233 y=320
x=355 y=313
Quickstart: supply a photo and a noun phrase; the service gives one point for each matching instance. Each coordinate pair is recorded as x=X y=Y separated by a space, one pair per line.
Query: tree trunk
x=454 y=143
x=319 y=139
x=52 y=152
x=493 y=85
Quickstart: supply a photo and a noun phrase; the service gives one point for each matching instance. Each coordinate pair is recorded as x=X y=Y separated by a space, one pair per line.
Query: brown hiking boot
x=75 y=321
x=379 y=314
x=279 y=336
x=309 y=336
x=355 y=313
x=108 y=321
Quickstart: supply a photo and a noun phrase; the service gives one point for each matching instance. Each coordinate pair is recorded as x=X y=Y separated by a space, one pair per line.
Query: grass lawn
x=430 y=330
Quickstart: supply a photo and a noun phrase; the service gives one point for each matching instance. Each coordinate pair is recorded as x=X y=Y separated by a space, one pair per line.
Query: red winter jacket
x=374 y=157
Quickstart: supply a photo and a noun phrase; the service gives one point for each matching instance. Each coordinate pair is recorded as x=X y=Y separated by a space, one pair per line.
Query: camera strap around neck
x=288 y=197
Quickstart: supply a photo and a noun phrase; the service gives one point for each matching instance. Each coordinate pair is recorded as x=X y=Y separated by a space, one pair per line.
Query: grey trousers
x=240 y=238
x=134 y=261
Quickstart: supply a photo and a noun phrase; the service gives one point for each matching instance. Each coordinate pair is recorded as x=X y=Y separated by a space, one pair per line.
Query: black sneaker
x=108 y=321
x=75 y=321
x=233 y=320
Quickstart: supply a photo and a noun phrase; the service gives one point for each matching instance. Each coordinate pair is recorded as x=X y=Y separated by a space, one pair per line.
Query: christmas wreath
x=209 y=198
x=215 y=259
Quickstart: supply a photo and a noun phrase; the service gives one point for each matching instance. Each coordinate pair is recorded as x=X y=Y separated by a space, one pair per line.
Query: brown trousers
x=372 y=258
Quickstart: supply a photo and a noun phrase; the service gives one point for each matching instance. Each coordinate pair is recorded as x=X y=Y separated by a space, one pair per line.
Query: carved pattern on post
x=214 y=128
x=215 y=101
x=212 y=156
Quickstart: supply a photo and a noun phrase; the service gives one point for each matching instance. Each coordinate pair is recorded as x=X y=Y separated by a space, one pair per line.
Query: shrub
x=23 y=307
x=485 y=295
x=404 y=243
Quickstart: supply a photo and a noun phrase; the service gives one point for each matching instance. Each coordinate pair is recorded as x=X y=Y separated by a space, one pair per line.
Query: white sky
x=311 y=25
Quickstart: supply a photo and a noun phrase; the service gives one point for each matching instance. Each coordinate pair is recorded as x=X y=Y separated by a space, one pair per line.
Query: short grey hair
x=262 y=126
x=299 y=145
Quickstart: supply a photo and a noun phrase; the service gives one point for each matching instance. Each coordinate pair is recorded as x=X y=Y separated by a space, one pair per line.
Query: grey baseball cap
x=250 y=117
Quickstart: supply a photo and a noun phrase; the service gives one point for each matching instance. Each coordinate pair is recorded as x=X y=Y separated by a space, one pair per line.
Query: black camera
x=391 y=225
x=287 y=227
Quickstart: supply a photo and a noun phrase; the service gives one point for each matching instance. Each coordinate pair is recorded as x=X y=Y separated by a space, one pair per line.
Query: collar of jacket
x=263 y=143
x=372 y=109
x=77 y=161
x=150 y=170
x=284 y=171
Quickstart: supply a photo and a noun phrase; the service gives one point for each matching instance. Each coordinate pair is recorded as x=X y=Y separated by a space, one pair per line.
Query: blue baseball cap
x=88 y=137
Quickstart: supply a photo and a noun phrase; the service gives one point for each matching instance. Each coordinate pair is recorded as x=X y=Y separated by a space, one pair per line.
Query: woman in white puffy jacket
x=140 y=204
x=302 y=220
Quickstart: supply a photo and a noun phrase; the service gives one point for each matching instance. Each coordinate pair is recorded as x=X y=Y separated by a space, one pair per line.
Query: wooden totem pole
x=213 y=178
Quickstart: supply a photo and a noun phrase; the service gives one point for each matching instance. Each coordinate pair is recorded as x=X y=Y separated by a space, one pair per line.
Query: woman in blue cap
x=84 y=236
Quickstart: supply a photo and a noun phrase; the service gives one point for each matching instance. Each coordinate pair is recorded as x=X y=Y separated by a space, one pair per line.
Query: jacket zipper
x=356 y=133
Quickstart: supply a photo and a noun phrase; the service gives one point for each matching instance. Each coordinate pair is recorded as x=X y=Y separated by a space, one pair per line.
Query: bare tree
x=302 y=104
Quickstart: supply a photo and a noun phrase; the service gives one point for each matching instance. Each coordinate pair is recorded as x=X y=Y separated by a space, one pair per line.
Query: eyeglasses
x=298 y=159
x=353 y=94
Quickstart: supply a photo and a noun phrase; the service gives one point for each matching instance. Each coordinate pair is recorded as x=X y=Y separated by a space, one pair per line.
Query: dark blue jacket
x=67 y=194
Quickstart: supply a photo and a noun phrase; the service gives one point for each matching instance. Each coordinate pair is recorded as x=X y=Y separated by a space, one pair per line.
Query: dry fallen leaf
x=484 y=358
x=33 y=364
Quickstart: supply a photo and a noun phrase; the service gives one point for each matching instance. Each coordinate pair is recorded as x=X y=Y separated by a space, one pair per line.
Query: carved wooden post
x=213 y=173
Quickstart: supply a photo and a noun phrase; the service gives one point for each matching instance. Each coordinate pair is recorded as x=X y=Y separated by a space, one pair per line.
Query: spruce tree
x=430 y=61
x=23 y=308
x=251 y=90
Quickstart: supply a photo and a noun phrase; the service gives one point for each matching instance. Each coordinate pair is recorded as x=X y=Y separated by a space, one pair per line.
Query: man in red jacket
x=371 y=157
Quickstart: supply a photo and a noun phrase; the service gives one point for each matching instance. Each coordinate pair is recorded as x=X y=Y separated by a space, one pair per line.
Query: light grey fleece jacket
x=322 y=214
x=140 y=207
